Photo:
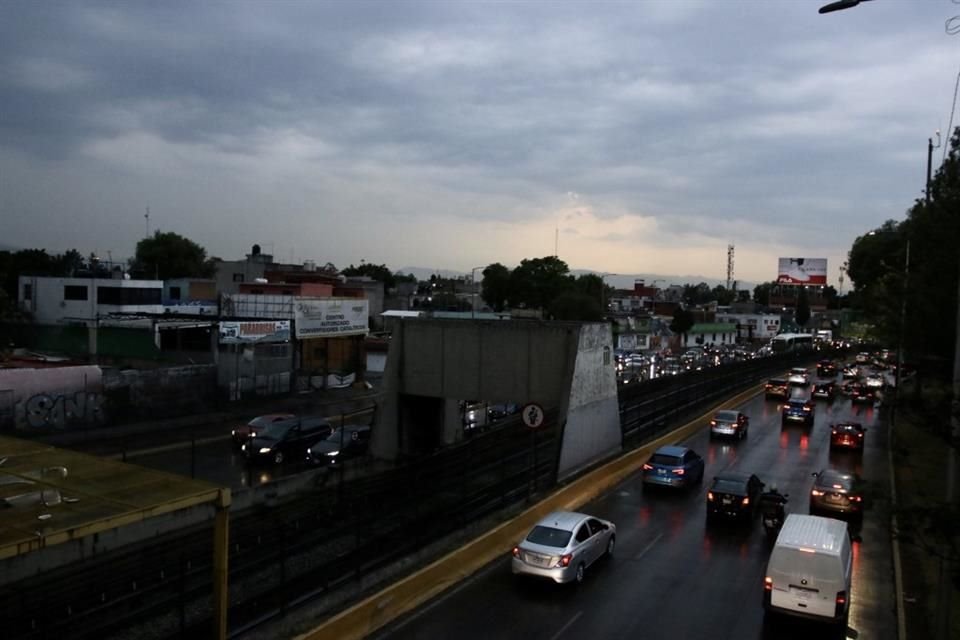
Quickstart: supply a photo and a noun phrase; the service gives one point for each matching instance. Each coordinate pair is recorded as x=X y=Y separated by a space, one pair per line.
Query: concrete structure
x=81 y=300
x=433 y=365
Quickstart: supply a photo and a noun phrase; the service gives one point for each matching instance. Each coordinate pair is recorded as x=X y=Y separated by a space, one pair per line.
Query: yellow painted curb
x=403 y=596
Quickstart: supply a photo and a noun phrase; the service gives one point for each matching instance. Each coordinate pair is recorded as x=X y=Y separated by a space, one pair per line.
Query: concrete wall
x=592 y=429
x=51 y=397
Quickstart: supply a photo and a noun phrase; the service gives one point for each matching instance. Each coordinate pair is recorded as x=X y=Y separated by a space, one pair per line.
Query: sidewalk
x=116 y=439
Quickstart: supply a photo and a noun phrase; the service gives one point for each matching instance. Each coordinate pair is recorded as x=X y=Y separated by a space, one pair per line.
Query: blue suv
x=797 y=410
x=673 y=466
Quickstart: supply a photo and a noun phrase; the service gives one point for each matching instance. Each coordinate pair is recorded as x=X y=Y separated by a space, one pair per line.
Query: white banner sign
x=255 y=331
x=332 y=317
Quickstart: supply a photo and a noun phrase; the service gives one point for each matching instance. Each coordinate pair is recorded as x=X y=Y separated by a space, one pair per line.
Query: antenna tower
x=146 y=217
x=729 y=265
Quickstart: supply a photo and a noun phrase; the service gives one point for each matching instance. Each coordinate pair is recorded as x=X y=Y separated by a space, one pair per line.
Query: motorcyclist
x=772 y=503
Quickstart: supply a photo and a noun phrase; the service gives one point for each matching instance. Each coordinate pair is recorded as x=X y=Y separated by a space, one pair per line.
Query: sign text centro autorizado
x=331 y=317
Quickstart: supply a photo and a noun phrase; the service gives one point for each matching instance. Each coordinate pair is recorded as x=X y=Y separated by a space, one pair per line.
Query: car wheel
x=611 y=544
x=278 y=457
x=581 y=570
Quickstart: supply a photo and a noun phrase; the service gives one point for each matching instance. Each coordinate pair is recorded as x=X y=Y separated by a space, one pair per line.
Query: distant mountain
x=618 y=281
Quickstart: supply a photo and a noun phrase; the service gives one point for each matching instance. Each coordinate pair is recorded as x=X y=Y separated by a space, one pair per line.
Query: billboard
x=812 y=271
x=331 y=317
x=254 y=331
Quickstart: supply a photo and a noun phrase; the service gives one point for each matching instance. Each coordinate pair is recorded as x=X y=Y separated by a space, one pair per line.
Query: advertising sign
x=254 y=331
x=331 y=318
x=812 y=271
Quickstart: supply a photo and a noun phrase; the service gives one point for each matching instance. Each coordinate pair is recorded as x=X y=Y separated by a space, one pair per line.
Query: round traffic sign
x=532 y=414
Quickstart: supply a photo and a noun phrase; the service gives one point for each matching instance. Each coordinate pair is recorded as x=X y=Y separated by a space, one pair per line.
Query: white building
x=53 y=301
x=752 y=326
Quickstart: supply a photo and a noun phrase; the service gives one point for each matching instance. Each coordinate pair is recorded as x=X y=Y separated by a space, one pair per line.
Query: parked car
x=343 y=443
x=282 y=441
x=847 y=435
x=799 y=376
x=826 y=369
x=777 y=388
x=241 y=434
x=562 y=546
x=826 y=390
x=673 y=466
x=836 y=492
x=733 y=495
x=729 y=423
x=798 y=410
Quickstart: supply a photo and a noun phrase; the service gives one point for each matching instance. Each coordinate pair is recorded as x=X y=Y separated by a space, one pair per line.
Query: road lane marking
x=648 y=547
x=566 y=626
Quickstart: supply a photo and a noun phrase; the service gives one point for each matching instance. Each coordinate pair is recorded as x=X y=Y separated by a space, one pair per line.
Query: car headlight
x=243 y=447
x=309 y=452
x=233 y=432
x=333 y=453
x=264 y=449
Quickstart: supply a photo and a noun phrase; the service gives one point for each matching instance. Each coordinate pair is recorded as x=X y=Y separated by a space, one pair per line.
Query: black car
x=847 y=435
x=860 y=393
x=733 y=495
x=825 y=390
x=500 y=411
x=348 y=441
x=826 y=369
x=777 y=388
x=284 y=441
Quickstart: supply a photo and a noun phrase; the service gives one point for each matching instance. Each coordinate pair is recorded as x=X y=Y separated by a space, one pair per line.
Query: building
x=80 y=300
x=713 y=334
x=751 y=327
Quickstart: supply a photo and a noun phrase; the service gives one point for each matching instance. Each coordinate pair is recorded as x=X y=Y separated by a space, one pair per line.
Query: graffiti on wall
x=45 y=410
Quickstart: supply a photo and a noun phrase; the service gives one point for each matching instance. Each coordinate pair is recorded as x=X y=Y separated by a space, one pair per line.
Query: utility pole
x=146 y=217
x=930 y=148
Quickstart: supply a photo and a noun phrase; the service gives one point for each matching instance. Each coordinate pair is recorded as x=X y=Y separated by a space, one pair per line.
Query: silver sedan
x=563 y=545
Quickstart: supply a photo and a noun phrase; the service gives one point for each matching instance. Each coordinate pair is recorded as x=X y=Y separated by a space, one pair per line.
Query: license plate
x=540 y=561
x=661 y=472
x=727 y=500
x=803 y=594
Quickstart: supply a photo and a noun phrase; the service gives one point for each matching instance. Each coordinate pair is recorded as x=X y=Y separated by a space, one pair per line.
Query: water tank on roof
x=309 y=265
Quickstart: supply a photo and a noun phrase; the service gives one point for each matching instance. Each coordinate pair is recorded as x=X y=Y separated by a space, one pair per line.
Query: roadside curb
x=405 y=595
x=895 y=542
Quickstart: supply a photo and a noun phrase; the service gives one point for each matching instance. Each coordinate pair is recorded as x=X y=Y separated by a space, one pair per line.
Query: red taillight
x=710 y=495
x=564 y=560
x=745 y=501
x=833 y=432
x=713 y=423
x=679 y=472
x=516 y=552
x=856 y=498
x=768 y=584
x=859 y=435
x=814 y=492
x=841 y=597
x=647 y=467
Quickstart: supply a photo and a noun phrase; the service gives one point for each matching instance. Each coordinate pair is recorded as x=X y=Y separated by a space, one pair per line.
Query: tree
x=167 y=255
x=495 y=286
x=761 y=293
x=722 y=295
x=803 y=307
x=378 y=272
x=694 y=294
x=538 y=282
x=682 y=322
x=574 y=305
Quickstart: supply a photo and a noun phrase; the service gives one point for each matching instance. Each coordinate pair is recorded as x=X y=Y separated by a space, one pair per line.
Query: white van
x=809 y=570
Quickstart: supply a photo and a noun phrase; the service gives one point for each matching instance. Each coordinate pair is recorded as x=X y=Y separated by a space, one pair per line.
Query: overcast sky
x=634 y=137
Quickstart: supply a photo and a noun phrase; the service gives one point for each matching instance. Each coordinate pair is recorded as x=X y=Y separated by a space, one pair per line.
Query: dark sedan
x=730 y=424
x=860 y=393
x=733 y=495
x=798 y=410
x=776 y=388
x=348 y=441
x=673 y=466
x=847 y=435
x=836 y=493
x=242 y=433
x=826 y=369
x=284 y=441
x=825 y=390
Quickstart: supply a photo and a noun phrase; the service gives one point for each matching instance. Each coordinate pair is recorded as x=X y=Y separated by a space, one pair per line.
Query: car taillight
x=516 y=552
x=710 y=496
x=841 y=603
x=647 y=467
x=859 y=435
x=564 y=560
x=713 y=423
x=806 y=408
x=814 y=492
x=768 y=584
x=856 y=498
x=745 y=501
x=679 y=472
x=833 y=432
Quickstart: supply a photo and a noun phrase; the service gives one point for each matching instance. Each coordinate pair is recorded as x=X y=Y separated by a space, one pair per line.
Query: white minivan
x=809 y=570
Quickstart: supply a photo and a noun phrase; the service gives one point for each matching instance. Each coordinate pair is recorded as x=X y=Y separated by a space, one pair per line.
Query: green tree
x=537 y=282
x=761 y=293
x=682 y=322
x=167 y=255
x=722 y=295
x=495 y=286
x=378 y=272
x=575 y=305
x=694 y=294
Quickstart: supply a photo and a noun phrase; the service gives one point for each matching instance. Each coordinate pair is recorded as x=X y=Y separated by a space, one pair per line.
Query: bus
x=792 y=342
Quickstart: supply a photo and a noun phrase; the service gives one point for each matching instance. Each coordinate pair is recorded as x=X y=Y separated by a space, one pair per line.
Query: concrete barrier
x=403 y=596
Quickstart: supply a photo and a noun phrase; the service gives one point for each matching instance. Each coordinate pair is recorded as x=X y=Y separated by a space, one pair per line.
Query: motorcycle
x=773 y=513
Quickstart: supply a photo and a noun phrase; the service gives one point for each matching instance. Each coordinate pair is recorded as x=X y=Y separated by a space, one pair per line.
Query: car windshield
x=338 y=433
x=725 y=485
x=834 y=480
x=549 y=537
x=727 y=416
x=846 y=427
x=275 y=431
x=262 y=421
x=798 y=372
x=665 y=460
x=776 y=381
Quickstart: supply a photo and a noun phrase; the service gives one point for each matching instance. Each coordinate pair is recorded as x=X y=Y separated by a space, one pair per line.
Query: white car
x=798 y=376
x=563 y=545
x=875 y=381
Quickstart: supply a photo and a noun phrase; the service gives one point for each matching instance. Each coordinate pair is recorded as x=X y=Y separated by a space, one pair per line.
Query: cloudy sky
x=634 y=137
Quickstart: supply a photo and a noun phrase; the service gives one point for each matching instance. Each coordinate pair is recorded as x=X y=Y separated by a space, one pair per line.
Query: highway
x=671 y=575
